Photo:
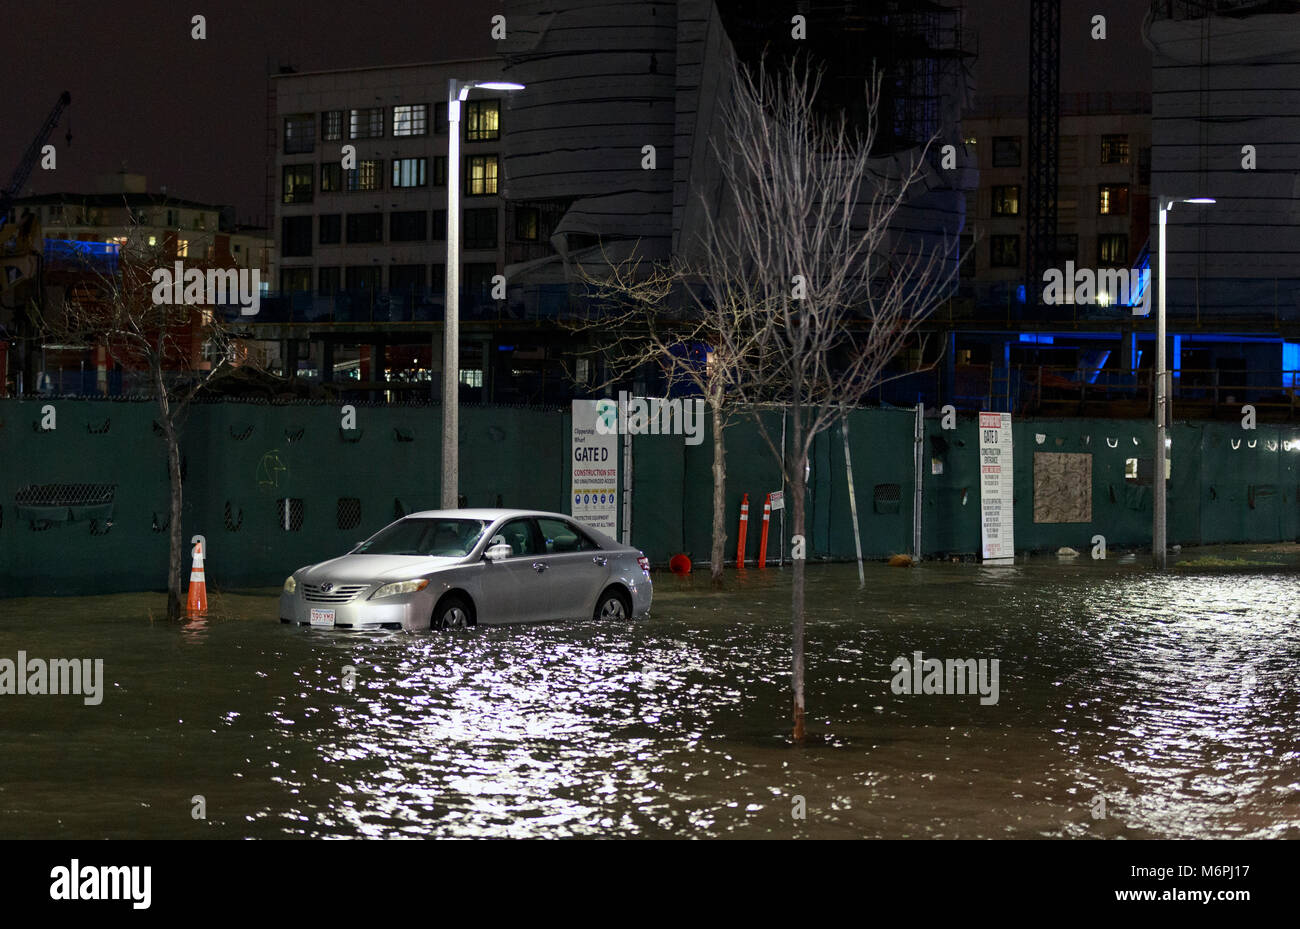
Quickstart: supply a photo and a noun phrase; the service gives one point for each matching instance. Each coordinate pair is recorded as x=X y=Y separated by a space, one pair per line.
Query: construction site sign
x=593 y=462
x=997 y=488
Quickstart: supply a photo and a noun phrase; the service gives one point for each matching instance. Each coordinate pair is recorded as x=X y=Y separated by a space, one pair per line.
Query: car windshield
x=454 y=538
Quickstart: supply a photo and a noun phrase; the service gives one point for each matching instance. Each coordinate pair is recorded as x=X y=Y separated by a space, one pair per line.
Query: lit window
x=482 y=120
x=332 y=125
x=1112 y=200
x=471 y=377
x=1112 y=250
x=182 y=248
x=367 y=175
x=366 y=123
x=410 y=120
x=1006 y=200
x=297 y=183
x=410 y=172
x=481 y=177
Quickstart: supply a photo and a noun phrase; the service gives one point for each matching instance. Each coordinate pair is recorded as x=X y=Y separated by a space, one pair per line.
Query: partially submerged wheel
x=451 y=613
x=613 y=606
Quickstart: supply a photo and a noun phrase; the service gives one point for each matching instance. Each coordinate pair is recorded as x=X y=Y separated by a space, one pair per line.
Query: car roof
x=488 y=513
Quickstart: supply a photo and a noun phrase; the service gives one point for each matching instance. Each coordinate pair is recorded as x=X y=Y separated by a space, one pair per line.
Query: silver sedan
x=449 y=569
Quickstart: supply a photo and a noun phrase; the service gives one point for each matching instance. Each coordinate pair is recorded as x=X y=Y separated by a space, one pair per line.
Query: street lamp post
x=1159 y=521
x=457 y=91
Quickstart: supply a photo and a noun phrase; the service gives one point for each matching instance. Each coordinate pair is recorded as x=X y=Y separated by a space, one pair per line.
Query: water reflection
x=1171 y=698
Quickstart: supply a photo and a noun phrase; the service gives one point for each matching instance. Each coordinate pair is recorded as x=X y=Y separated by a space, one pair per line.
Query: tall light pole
x=457 y=91
x=1159 y=523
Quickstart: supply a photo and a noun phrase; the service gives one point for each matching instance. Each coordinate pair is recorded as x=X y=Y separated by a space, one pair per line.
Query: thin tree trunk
x=718 y=554
x=797 y=483
x=175 y=595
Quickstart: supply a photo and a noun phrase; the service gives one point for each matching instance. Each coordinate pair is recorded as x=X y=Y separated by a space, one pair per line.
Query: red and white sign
x=997 y=488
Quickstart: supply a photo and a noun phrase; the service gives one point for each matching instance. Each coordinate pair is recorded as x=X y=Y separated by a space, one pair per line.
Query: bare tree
x=808 y=244
x=649 y=315
x=181 y=347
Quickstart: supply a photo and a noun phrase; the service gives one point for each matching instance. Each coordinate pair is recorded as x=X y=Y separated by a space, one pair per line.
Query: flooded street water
x=1171 y=699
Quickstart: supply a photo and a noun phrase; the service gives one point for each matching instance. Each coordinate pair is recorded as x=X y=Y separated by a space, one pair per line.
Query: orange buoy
x=197 y=601
x=900 y=561
x=744 y=530
x=679 y=564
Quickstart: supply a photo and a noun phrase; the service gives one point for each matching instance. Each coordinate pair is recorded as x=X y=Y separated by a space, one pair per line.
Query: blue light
x=1034 y=338
x=1178 y=356
x=1290 y=363
x=1105 y=356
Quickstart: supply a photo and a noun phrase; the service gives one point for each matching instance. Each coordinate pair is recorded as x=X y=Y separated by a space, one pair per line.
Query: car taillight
x=644 y=562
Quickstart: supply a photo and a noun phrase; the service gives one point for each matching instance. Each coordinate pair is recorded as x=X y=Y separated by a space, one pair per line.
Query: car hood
x=369 y=569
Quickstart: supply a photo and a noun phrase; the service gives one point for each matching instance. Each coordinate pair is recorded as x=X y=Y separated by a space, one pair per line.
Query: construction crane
x=24 y=170
x=22 y=248
x=1044 y=143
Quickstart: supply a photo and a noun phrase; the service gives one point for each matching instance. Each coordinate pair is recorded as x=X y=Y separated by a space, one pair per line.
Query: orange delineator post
x=197 y=603
x=762 y=539
x=744 y=530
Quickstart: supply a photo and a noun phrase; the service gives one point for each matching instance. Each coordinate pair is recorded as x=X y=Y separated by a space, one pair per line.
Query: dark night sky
x=191 y=114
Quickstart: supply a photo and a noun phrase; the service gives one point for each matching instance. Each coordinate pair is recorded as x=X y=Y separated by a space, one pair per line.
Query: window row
x=1007 y=150
x=480 y=119
x=1112 y=250
x=1112 y=200
x=478 y=229
x=297 y=182
x=415 y=280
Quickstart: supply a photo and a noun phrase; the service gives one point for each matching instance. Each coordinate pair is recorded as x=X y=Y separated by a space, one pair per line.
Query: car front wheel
x=613 y=606
x=451 y=613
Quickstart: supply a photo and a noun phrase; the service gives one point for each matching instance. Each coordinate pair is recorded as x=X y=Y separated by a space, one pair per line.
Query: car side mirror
x=499 y=552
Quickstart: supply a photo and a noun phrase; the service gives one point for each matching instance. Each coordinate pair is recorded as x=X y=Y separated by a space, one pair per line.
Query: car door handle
x=539 y=566
x=597 y=559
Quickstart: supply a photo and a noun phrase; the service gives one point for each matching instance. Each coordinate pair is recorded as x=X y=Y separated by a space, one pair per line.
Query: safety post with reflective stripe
x=744 y=530
x=762 y=539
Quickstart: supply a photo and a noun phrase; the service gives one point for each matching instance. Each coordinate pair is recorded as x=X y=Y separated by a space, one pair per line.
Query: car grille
x=340 y=593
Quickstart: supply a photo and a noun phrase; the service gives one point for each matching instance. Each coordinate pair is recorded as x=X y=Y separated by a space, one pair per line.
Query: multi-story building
x=53 y=240
x=606 y=153
x=360 y=189
x=1002 y=347
x=122 y=203
x=1104 y=166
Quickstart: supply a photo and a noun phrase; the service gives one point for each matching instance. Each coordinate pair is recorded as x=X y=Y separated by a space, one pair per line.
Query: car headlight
x=400 y=587
x=290 y=585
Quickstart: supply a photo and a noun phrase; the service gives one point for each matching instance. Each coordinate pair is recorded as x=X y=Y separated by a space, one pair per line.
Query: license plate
x=322 y=617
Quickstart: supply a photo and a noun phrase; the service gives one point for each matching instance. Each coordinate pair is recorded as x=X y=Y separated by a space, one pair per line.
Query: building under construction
x=557 y=175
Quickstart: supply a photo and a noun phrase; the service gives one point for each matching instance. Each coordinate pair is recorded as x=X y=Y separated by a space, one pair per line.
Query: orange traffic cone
x=197 y=603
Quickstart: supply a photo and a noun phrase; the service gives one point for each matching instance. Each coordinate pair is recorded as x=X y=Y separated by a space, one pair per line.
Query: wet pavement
x=1129 y=704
